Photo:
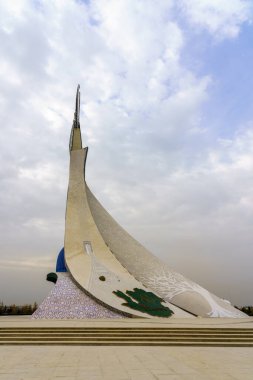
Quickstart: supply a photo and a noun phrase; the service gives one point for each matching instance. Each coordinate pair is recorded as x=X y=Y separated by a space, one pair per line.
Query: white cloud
x=219 y=17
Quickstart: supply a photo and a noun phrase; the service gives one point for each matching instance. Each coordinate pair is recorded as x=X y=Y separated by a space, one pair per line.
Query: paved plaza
x=125 y=363
x=129 y=363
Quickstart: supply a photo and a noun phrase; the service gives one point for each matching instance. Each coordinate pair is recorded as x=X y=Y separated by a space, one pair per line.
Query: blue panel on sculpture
x=60 y=264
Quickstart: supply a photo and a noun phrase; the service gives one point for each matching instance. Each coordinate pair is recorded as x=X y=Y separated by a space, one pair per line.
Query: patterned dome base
x=67 y=301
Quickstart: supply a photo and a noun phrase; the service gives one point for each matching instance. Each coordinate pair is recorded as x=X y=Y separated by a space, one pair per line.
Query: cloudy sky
x=167 y=113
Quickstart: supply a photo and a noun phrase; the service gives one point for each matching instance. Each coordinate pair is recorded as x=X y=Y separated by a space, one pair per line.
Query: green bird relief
x=146 y=302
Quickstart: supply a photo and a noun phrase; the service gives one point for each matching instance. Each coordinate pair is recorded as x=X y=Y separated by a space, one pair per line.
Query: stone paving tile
x=159 y=372
x=180 y=377
x=125 y=363
x=216 y=375
x=136 y=374
x=241 y=374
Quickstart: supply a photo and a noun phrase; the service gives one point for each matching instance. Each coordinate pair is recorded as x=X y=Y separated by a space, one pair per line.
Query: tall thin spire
x=75 y=141
x=76 y=121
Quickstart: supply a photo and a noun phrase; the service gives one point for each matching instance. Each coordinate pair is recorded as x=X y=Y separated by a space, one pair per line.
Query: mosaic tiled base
x=67 y=301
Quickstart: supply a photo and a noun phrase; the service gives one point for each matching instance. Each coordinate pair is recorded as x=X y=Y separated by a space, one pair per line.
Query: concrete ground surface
x=129 y=363
x=125 y=363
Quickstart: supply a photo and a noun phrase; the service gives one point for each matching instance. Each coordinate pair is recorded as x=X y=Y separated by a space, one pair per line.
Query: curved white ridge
x=156 y=275
x=88 y=257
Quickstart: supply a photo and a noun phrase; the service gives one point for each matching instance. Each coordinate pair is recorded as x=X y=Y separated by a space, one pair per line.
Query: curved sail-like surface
x=153 y=273
x=107 y=263
x=89 y=259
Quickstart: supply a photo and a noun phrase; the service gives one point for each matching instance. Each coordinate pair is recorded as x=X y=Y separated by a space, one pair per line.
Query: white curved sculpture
x=118 y=275
x=88 y=258
x=96 y=245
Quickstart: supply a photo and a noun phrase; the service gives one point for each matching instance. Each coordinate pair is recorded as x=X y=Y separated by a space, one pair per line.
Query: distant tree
x=248 y=310
x=13 y=309
x=26 y=310
x=34 y=307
